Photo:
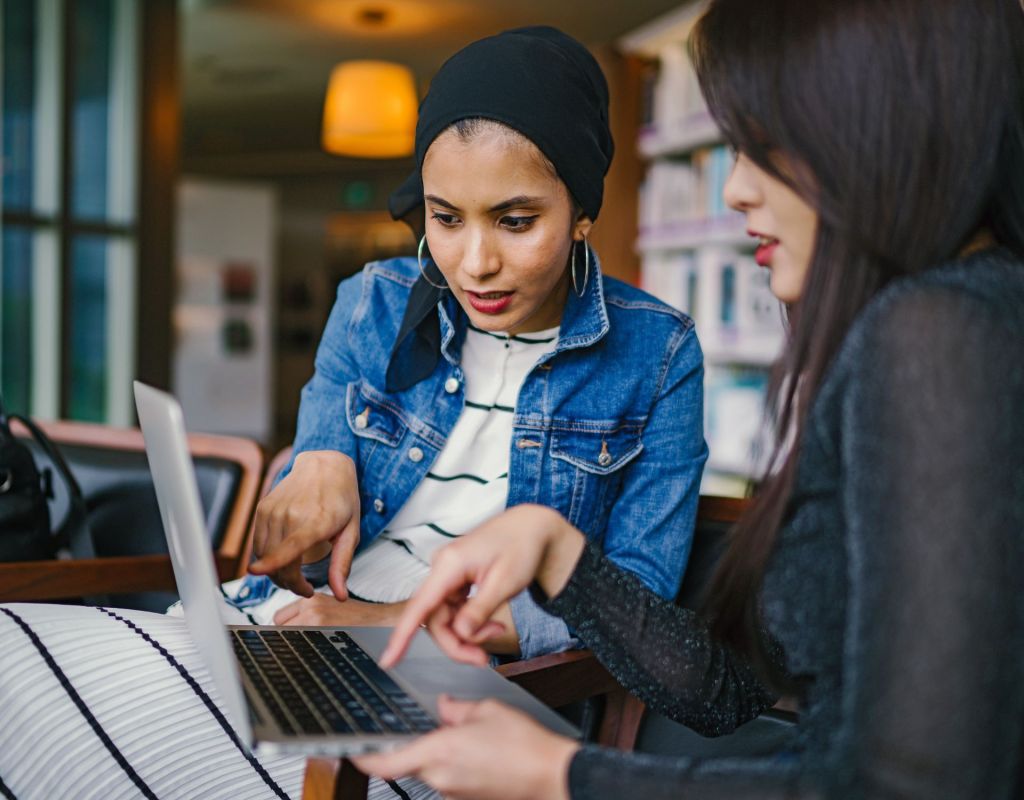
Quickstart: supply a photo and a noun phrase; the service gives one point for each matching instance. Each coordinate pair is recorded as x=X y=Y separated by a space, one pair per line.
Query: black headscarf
x=537 y=81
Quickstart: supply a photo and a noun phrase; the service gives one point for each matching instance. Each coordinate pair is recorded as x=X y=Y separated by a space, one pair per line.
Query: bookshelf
x=695 y=252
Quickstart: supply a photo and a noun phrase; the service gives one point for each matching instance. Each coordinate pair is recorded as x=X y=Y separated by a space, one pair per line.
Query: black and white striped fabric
x=468 y=483
x=111 y=704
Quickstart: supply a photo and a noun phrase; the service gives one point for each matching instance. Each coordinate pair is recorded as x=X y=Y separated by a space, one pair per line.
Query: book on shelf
x=733 y=419
x=677 y=194
x=738 y=319
x=676 y=93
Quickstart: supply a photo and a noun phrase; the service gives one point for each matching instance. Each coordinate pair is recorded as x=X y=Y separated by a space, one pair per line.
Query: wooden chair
x=559 y=679
x=111 y=466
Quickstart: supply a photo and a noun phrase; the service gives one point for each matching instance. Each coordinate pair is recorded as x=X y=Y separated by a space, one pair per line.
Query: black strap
x=79 y=535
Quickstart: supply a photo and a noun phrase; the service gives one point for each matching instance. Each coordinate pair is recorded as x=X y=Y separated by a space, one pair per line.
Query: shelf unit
x=697 y=255
x=692 y=234
x=693 y=131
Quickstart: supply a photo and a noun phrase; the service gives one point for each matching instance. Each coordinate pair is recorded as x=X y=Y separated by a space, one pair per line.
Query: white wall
x=221 y=224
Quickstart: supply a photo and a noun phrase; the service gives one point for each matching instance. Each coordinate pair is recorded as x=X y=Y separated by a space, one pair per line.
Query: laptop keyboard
x=312 y=687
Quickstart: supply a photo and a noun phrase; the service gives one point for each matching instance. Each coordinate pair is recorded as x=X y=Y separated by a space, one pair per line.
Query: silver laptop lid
x=163 y=428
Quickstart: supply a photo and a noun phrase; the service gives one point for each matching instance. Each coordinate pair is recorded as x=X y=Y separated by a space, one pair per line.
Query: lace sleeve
x=660 y=652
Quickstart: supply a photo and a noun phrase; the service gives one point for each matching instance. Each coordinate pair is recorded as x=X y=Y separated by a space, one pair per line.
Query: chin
x=782 y=287
x=490 y=322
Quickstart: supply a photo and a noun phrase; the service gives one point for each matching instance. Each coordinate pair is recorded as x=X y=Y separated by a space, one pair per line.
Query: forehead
x=491 y=163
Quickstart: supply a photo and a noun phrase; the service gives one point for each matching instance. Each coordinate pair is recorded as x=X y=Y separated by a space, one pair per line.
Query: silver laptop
x=309 y=691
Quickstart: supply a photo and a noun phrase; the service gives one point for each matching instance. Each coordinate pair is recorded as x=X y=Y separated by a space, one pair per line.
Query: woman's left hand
x=486 y=751
x=325 y=609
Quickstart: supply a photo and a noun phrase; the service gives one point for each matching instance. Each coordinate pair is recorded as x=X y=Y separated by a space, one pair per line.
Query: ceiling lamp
x=370 y=110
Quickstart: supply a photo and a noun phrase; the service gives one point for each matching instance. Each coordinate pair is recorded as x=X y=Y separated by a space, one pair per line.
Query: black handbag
x=25 y=491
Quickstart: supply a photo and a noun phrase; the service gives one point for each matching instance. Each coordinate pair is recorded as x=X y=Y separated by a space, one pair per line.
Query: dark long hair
x=905 y=122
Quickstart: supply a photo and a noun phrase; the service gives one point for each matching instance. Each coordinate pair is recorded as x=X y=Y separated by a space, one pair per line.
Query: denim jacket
x=608 y=429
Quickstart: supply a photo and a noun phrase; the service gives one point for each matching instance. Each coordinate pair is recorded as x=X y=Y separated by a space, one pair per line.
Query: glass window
x=16 y=320
x=91 y=108
x=102 y=110
x=88 y=322
x=19 y=55
x=80 y=256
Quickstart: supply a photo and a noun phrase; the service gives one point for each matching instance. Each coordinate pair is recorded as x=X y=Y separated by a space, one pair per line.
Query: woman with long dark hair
x=877 y=576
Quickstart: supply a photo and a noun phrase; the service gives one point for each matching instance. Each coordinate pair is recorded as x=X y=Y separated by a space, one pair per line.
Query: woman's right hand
x=315 y=509
x=500 y=558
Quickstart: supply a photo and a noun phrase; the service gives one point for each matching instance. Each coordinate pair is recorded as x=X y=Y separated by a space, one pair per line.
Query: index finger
x=290 y=577
x=289 y=550
x=342 y=553
x=433 y=593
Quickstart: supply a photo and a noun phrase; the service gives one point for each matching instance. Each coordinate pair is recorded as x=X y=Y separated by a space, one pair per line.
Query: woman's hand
x=486 y=751
x=313 y=511
x=323 y=609
x=500 y=558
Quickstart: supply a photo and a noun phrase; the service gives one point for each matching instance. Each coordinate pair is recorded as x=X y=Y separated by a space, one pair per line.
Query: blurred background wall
x=170 y=212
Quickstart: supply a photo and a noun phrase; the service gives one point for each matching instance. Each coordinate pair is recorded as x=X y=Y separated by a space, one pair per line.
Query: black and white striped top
x=468 y=482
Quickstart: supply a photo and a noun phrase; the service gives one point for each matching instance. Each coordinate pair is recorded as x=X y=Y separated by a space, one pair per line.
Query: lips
x=489 y=302
x=765 y=250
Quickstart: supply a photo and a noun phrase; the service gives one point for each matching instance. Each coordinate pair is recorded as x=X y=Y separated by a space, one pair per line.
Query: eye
x=517 y=223
x=448 y=220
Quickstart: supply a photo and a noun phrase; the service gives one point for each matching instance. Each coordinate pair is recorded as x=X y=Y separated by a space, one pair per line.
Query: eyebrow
x=512 y=202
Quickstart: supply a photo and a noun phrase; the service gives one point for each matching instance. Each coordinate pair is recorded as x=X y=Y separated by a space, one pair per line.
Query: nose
x=480 y=257
x=741 y=191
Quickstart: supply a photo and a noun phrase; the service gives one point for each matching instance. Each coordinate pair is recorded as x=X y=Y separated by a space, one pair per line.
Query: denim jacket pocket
x=588 y=461
x=597 y=451
x=371 y=417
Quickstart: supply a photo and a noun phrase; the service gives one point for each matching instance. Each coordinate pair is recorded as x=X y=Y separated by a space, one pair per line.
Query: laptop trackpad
x=428 y=673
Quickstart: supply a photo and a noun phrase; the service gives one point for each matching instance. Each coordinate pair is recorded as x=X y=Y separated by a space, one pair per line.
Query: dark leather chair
x=131 y=566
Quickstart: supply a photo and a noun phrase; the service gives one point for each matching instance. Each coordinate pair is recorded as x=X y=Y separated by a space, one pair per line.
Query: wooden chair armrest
x=334 y=779
x=558 y=679
x=58 y=580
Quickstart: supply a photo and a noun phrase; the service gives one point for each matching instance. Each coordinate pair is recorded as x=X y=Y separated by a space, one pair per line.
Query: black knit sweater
x=897 y=588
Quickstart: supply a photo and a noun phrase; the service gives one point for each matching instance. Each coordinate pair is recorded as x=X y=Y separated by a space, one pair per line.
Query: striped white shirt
x=468 y=482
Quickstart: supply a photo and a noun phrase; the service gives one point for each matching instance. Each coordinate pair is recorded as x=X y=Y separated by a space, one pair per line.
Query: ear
x=581 y=228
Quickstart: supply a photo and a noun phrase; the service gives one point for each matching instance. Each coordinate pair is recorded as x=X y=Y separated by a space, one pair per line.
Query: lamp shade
x=370 y=110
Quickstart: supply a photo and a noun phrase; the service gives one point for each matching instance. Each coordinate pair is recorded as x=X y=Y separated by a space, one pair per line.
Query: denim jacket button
x=378 y=506
x=451 y=385
x=604 y=459
x=415 y=455
x=361 y=422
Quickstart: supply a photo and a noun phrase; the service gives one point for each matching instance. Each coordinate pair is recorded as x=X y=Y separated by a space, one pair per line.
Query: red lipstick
x=489 y=302
x=764 y=252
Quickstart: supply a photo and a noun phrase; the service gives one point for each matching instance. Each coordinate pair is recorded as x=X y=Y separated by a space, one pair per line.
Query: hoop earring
x=586 y=269
x=419 y=262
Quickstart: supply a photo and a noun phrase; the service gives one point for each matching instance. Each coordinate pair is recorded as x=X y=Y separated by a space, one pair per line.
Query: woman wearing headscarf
x=502 y=369
x=495 y=368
